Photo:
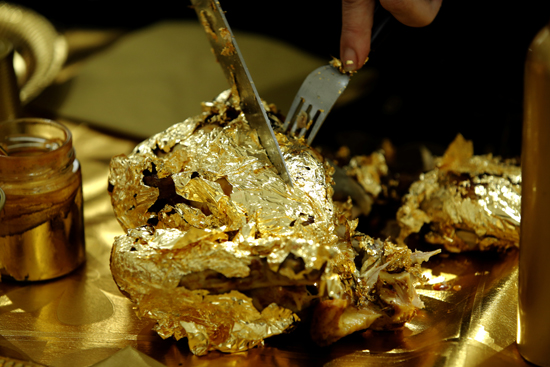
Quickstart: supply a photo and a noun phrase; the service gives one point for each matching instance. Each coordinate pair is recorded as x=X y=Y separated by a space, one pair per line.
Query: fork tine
x=293 y=112
x=317 y=121
x=302 y=121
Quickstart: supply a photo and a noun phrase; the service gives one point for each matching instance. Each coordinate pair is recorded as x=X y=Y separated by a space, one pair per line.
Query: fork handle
x=382 y=20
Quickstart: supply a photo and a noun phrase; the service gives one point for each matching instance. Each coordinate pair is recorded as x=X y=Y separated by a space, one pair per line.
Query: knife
x=229 y=56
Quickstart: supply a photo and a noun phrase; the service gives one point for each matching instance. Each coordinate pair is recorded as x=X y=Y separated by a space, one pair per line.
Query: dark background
x=463 y=73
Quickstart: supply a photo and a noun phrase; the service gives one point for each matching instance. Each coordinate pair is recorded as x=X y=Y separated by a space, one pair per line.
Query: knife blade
x=223 y=42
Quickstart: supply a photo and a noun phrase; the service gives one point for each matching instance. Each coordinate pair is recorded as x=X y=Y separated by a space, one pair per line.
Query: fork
x=321 y=88
x=314 y=100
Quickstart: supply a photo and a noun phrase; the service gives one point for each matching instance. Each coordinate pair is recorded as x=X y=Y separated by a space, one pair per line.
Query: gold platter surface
x=83 y=319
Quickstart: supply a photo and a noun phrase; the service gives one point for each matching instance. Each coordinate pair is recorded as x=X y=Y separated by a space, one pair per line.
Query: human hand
x=357 y=22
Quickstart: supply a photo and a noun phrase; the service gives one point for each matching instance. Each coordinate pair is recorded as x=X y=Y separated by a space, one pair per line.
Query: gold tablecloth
x=82 y=319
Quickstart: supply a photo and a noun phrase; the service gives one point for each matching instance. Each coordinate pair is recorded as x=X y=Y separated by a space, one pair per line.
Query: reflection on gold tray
x=83 y=319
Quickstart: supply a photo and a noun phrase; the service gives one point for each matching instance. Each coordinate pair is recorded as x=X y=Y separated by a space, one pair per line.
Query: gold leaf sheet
x=368 y=170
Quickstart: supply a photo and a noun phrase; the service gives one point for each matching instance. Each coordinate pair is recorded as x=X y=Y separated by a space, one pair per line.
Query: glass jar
x=41 y=224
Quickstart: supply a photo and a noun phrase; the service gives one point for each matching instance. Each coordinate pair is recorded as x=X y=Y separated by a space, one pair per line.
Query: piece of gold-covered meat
x=469 y=202
x=220 y=250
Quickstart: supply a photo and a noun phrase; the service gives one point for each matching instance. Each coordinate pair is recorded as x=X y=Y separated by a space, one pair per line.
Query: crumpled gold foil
x=368 y=171
x=219 y=250
x=470 y=202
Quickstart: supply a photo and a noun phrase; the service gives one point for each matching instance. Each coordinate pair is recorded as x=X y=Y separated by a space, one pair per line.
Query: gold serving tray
x=82 y=319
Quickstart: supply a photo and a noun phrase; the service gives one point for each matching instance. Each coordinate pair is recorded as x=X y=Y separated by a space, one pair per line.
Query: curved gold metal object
x=10 y=103
x=37 y=41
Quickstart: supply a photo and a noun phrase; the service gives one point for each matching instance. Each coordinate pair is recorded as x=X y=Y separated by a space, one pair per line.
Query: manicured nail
x=366 y=61
x=349 y=59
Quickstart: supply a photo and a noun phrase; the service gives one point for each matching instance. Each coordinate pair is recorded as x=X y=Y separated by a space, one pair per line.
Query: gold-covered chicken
x=220 y=250
x=468 y=202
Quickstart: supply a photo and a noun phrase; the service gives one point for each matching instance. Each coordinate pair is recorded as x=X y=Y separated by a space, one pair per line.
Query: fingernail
x=349 y=59
x=367 y=59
